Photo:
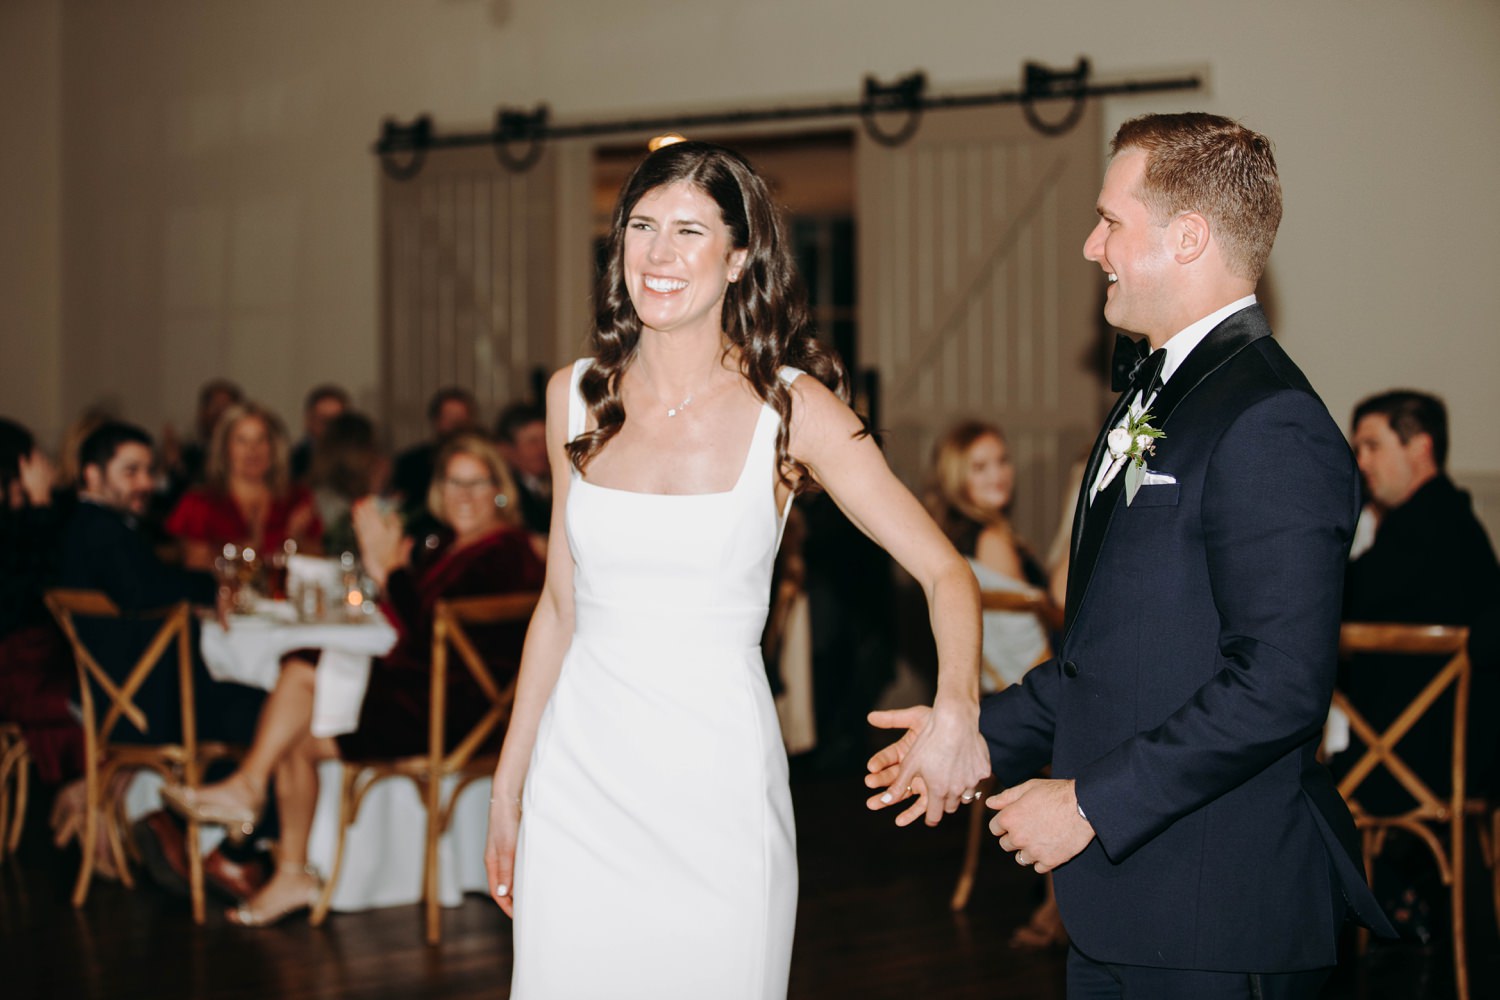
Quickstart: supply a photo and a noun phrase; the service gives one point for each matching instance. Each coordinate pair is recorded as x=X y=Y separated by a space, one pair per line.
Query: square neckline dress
x=657 y=852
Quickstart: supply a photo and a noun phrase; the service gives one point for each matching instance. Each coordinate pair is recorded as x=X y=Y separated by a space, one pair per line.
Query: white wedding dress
x=657 y=853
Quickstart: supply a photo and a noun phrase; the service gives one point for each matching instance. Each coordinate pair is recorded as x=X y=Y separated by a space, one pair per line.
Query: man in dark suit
x=521 y=433
x=104 y=548
x=1429 y=561
x=1200 y=849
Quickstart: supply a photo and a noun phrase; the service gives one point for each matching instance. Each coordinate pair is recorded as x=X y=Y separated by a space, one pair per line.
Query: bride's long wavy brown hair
x=765 y=311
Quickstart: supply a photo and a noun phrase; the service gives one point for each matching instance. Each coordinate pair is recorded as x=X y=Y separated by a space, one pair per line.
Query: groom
x=1201 y=851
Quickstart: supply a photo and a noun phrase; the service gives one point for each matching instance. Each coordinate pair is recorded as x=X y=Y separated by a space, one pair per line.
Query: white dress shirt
x=1178 y=347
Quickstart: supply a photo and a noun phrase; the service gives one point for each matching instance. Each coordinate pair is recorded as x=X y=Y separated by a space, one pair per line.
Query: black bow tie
x=1135 y=365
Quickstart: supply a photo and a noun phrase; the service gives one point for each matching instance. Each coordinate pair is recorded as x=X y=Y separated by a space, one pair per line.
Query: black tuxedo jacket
x=1194 y=677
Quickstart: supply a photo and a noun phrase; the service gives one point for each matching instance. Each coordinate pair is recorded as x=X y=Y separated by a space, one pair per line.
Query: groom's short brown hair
x=1197 y=162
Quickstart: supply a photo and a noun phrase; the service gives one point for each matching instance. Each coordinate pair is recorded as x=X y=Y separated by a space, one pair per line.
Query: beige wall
x=219 y=195
x=30 y=193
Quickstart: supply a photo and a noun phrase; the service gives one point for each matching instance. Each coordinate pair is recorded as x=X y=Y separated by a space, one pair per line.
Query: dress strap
x=577 y=412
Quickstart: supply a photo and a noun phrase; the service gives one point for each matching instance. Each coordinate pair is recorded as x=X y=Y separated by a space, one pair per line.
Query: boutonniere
x=1128 y=448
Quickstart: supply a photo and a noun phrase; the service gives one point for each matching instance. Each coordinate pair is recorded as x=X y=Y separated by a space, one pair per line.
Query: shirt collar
x=1182 y=344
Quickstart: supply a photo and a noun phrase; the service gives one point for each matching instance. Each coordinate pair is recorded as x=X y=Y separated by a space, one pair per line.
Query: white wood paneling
x=975 y=300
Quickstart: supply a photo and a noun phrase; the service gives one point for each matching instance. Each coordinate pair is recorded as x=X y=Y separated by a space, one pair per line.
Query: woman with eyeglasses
x=474 y=495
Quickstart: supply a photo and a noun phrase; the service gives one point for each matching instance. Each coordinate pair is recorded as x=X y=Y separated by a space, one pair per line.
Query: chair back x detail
x=1437 y=821
x=15 y=760
x=471 y=758
x=180 y=761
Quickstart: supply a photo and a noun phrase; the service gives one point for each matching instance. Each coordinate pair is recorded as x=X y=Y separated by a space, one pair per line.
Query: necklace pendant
x=672 y=413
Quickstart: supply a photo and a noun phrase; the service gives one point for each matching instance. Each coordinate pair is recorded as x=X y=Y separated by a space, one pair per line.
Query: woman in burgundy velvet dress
x=489 y=553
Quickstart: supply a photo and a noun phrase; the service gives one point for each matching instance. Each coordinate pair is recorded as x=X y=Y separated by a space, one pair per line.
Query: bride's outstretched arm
x=547 y=640
x=946 y=757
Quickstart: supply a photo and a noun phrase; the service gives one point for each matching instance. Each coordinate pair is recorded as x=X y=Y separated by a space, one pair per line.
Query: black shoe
x=162 y=839
x=161 y=842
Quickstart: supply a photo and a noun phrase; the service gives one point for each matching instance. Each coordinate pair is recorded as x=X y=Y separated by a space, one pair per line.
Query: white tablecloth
x=250 y=653
x=383 y=852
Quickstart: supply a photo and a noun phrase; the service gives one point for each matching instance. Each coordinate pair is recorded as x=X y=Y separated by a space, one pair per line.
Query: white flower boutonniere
x=1128 y=448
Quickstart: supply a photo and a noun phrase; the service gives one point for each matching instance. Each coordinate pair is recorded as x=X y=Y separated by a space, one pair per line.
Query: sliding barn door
x=975 y=299
x=469 y=269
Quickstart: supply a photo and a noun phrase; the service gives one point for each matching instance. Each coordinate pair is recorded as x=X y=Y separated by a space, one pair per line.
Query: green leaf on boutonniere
x=1135 y=473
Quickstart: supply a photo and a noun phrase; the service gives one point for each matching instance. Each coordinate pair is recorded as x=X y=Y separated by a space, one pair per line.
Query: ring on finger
x=1022 y=861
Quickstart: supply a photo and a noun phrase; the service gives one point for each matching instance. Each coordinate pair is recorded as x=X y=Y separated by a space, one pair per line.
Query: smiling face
x=989 y=476
x=1133 y=250
x=469 y=491
x=678 y=259
x=125 y=481
x=249 y=444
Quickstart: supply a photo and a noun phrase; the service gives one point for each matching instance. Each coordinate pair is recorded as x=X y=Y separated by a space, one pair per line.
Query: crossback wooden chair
x=1437 y=821
x=1050 y=617
x=15 y=761
x=182 y=761
x=471 y=759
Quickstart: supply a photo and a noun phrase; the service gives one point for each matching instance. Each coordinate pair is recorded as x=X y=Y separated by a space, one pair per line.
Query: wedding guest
x=474 y=495
x=1429 y=561
x=452 y=409
x=973 y=483
x=348 y=464
x=247 y=498
x=521 y=432
x=322 y=404
x=104 y=548
x=185 y=463
x=36 y=677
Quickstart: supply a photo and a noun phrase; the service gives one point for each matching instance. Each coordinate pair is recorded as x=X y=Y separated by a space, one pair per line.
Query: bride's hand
x=500 y=851
x=941 y=758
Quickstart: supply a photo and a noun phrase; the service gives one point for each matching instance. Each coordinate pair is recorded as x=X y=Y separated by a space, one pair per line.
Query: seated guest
x=186 y=462
x=323 y=403
x=347 y=465
x=248 y=498
x=104 y=548
x=1430 y=561
x=450 y=411
x=973 y=482
x=36 y=676
x=521 y=431
x=488 y=553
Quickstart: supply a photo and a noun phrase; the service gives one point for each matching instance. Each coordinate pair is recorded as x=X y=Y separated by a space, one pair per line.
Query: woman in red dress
x=249 y=499
x=489 y=553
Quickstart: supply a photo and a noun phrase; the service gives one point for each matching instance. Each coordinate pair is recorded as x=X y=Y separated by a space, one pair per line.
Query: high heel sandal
x=244 y=916
x=238 y=821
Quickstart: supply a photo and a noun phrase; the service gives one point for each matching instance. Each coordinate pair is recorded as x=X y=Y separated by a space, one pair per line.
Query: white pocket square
x=1157 y=479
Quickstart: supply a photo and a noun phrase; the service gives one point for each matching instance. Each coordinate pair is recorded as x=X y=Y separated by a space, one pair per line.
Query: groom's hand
x=1039 y=820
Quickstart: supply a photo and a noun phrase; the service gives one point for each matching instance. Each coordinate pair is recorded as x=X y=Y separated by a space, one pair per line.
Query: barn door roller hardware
x=519 y=137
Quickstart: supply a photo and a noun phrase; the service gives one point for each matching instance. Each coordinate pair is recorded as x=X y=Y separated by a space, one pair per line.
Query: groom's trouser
x=1091 y=980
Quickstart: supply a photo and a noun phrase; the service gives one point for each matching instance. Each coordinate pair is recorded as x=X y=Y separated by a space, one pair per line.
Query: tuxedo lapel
x=1222 y=343
x=1091 y=521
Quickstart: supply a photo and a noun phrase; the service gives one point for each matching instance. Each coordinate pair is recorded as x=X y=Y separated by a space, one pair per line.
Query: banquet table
x=382 y=855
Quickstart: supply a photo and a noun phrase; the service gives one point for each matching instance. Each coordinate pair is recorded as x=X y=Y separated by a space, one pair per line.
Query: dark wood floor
x=873 y=924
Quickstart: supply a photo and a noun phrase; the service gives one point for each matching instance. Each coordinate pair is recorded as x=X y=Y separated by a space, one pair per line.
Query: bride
x=641 y=828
